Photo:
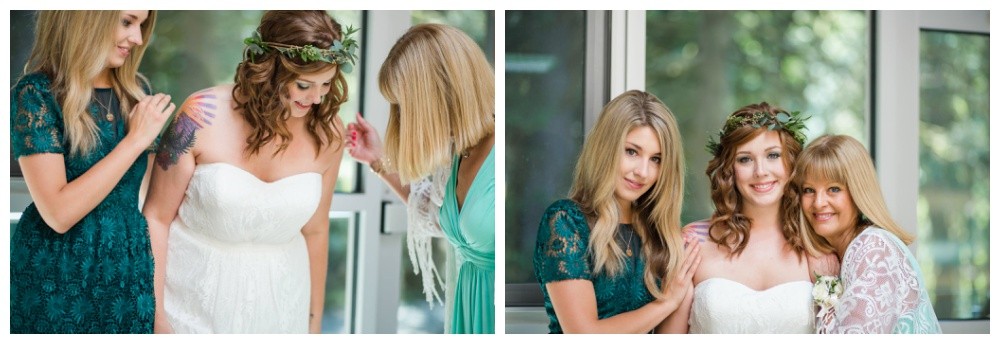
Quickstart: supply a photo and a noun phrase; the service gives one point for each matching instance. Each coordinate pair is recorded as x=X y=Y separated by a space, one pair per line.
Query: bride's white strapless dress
x=726 y=306
x=236 y=257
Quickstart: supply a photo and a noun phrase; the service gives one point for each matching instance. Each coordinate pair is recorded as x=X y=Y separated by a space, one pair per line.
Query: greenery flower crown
x=791 y=122
x=342 y=53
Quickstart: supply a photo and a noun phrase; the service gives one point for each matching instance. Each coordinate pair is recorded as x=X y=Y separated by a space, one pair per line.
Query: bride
x=756 y=278
x=238 y=205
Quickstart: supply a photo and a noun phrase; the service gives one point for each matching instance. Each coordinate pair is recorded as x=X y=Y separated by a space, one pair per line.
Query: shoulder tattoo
x=196 y=113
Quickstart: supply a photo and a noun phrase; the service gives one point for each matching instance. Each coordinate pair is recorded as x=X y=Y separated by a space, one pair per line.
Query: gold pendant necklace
x=628 y=246
x=107 y=109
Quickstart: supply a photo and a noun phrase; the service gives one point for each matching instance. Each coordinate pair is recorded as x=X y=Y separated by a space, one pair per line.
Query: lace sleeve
x=422 y=209
x=879 y=286
x=35 y=123
x=561 y=248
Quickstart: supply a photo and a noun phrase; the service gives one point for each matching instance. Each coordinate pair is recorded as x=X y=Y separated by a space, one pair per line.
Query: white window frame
x=897 y=101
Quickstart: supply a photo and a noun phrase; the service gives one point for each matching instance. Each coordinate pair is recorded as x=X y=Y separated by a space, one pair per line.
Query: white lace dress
x=883 y=290
x=726 y=306
x=236 y=257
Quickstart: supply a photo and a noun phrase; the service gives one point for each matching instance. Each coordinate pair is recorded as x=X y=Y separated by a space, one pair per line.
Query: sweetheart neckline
x=748 y=287
x=255 y=176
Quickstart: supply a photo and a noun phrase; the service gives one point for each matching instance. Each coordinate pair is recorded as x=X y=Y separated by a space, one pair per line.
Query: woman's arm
x=175 y=163
x=61 y=203
x=682 y=287
x=317 y=235
x=575 y=305
x=366 y=147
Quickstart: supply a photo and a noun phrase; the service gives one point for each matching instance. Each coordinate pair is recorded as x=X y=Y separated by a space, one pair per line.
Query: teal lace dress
x=561 y=254
x=98 y=276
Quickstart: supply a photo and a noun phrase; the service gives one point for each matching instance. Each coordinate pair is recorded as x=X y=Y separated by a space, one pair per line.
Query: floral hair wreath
x=791 y=122
x=342 y=53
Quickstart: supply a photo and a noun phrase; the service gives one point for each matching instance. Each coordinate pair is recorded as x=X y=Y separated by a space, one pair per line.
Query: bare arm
x=175 y=164
x=575 y=305
x=61 y=203
x=366 y=147
x=317 y=235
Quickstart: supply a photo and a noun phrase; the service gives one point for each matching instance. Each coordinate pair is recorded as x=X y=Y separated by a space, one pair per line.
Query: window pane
x=953 y=210
x=207 y=46
x=704 y=65
x=334 y=314
x=415 y=315
x=544 y=123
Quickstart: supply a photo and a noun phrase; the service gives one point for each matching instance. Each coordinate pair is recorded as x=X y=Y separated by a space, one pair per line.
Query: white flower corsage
x=826 y=291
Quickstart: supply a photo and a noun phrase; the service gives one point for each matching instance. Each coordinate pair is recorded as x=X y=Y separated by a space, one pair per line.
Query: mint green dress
x=471 y=231
x=98 y=276
x=561 y=254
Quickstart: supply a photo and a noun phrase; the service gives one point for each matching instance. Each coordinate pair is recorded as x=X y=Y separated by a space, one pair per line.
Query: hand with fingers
x=682 y=285
x=148 y=117
x=365 y=145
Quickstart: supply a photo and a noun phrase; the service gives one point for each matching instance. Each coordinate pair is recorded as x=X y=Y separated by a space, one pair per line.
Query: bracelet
x=376 y=167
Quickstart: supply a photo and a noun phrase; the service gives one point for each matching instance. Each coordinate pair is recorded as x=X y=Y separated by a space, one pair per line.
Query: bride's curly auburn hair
x=261 y=82
x=729 y=226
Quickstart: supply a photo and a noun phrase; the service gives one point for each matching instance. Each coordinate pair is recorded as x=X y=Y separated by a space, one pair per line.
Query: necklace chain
x=628 y=246
x=107 y=108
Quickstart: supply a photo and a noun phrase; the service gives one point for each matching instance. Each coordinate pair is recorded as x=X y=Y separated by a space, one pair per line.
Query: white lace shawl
x=883 y=290
x=424 y=205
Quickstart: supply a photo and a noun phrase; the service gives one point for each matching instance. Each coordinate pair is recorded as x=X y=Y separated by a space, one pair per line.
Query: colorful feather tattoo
x=196 y=113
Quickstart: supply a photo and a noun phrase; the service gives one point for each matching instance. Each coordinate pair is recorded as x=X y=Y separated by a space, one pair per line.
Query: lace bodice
x=725 y=306
x=883 y=290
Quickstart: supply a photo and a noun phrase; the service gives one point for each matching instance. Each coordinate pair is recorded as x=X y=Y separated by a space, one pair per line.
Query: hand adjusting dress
x=236 y=257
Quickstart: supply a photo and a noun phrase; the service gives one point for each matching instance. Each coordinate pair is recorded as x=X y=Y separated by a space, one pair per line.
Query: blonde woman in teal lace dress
x=611 y=259
x=439 y=160
x=81 y=124
x=883 y=288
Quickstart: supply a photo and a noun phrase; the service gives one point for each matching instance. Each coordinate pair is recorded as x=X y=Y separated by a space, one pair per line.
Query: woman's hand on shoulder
x=148 y=117
x=682 y=285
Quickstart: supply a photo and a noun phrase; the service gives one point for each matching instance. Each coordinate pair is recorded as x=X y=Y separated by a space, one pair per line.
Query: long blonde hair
x=440 y=89
x=842 y=159
x=68 y=49
x=657 y=212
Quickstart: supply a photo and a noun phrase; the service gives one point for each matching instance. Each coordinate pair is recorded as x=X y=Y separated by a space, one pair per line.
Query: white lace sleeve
x=425 y=200
x=880 y=287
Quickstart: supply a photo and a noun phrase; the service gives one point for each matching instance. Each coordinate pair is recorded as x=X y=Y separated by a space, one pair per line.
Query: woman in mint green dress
x=81 y=124
x=439 y=160
x=611 y=259
x=882 y=289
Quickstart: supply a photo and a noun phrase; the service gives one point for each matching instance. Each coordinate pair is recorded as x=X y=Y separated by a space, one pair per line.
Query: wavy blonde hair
x=262 y=81
x=68 y=50
x=657 y=213
x=439 y=86
x=729 y=226
x=842 y=159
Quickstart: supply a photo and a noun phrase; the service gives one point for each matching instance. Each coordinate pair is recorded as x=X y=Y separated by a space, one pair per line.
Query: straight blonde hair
x=842 y=159
x=657 y=213
x=68 y=49
x=440 y=89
